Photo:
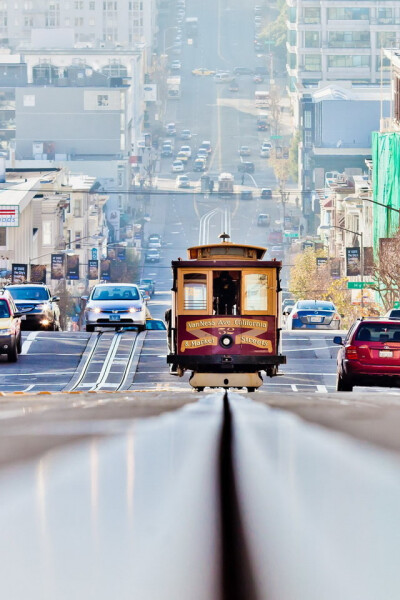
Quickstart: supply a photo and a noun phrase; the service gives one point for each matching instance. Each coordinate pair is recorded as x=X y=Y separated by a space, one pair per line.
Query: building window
x=311 y=39
x=307 y=119
x=349 y=39
x=92 y=5
x=348 y=14
x=292 y=37
x=312 y=15
x=102 y=100
x=340 y=62
x=78 y=236
x=312 y=62
x=3 y=236
x=386 y=39
x=47 y=233
x=292 y=60
x=307 y=138
x=292 y=14
x=77 y=207
x=385 y=16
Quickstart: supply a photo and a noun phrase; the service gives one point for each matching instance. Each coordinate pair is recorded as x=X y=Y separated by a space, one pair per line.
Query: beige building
x=56 y=212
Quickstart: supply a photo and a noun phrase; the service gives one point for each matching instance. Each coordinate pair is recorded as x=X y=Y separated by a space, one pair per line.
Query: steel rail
x=86 y=365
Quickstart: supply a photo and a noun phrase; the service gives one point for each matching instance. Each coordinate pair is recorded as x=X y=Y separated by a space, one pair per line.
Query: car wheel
x=141 y=328
x=90 y=328
x=343 y=384
x=12 y=354
x=19 y=344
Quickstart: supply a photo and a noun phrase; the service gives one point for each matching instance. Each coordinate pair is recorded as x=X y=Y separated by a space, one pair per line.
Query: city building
x=56 y=212
x=386 y=162
x=336 y=122
x=90 y=23
x=334 y=41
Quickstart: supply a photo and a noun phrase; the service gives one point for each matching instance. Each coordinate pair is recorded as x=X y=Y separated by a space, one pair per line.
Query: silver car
x=115 y=305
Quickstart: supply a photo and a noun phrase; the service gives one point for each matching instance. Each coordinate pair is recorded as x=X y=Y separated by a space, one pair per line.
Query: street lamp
x=360 y=235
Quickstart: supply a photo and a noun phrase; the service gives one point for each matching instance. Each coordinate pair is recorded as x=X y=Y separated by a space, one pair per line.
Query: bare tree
x=386 y=271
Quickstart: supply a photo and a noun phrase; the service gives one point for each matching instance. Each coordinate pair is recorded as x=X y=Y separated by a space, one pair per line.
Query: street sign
x=292 y=234
x=94 y=253
x=396 y=305
x=359 y=285
x=275 y=137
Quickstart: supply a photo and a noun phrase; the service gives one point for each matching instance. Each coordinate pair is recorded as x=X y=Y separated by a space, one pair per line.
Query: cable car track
x=115 y=355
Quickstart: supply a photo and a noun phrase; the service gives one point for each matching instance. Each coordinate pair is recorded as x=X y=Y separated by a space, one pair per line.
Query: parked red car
x=369 y=355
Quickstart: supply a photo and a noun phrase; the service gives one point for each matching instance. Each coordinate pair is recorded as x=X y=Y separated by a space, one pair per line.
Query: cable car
x=224 y=324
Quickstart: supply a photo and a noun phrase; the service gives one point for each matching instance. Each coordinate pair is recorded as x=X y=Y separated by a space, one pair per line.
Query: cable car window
x=195 y=291
x=255 y=291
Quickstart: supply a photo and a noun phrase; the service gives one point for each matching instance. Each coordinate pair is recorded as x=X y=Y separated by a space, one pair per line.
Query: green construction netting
x=386 y=184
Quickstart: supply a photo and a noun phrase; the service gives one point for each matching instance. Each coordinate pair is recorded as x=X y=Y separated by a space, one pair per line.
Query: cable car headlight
x=226 y=341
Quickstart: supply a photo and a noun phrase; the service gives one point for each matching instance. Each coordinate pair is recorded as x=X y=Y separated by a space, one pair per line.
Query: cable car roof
x=226 y=250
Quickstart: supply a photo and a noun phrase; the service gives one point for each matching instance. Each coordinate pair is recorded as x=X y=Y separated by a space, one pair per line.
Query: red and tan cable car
x=224 y=324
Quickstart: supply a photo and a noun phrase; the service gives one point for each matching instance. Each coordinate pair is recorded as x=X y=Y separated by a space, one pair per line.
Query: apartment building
x=386 y=162
x=93 y=22
x=332 y=40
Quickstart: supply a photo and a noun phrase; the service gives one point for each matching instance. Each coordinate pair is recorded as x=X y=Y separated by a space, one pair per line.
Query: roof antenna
x=224 y=237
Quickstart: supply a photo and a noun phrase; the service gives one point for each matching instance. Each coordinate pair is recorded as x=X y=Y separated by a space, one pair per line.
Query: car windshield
x=117 y=292
x=315 y=306
x=29 y=293
x=379 y=332
x=4 y=310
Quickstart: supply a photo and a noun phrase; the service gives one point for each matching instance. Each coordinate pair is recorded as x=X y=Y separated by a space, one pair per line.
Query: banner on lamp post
x=38 y=273
x=353 y=262
x=19 y=273
x=72 y=266
x=93 y=270
x=105 y=270
x=57 y=266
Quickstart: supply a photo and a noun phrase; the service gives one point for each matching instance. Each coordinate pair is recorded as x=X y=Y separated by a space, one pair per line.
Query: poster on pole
x=73 y=266
x=368 y=260
x=38 y=273
x=321 y=261
x=335 y=268
x=93 y=270
x=353 y=262
x=105 y=269
x=57 y=266
x=19 y=273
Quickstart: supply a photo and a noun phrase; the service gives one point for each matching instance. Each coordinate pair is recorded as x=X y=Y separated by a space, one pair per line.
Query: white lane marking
x=55 y=374
x=309 y=349
x=294 y=387
x=28 y=342
x=322 y=388
x=28 y=389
